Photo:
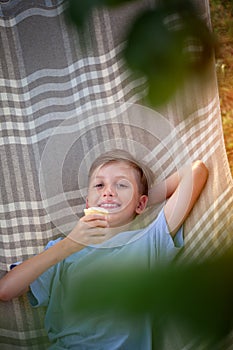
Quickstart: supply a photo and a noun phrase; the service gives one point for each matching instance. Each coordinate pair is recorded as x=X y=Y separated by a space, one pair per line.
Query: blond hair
x=146 y=175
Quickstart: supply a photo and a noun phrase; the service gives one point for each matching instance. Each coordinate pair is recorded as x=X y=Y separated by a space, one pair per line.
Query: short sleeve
x=166 y=246
x=39 y=293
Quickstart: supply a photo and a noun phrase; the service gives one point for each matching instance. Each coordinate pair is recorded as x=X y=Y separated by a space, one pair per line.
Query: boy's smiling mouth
x=109 y=205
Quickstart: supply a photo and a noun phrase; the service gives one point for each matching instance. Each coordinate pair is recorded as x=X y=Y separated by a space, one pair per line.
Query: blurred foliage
x=197 y=296
x=165 y=44
x=222 y=22
x=80 y=10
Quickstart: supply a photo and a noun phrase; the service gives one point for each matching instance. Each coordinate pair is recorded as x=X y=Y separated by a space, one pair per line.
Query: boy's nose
x=108 y=191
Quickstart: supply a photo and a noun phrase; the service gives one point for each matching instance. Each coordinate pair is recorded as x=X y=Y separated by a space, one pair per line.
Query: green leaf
x=166 y=44
x=197 y=296
x=79 y=10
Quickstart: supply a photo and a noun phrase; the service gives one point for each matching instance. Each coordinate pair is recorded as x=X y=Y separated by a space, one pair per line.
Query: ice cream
x=95 y=210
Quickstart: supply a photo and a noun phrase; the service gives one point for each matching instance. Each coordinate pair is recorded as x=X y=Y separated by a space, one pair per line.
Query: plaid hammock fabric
x=55 y=81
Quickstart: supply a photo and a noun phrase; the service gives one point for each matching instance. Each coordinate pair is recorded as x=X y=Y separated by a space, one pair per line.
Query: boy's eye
x=98 y=185
x=122 y=185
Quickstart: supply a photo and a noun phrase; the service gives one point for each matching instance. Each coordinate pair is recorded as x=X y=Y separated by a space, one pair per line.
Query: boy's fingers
x=98 y=223
x=95 y=220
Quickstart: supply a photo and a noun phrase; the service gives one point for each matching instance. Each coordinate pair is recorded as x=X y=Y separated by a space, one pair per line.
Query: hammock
x=55 y=82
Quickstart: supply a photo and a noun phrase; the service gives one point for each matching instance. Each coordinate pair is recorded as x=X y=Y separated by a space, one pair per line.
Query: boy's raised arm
x=182 y=189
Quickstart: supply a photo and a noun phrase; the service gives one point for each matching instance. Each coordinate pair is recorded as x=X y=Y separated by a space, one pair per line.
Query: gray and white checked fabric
x=51 y=78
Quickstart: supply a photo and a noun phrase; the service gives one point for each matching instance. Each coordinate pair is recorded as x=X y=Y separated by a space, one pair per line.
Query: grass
x=222 y=23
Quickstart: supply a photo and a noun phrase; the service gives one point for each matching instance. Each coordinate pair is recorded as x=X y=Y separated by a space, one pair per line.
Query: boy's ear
x=87 y=206
x=142 y=204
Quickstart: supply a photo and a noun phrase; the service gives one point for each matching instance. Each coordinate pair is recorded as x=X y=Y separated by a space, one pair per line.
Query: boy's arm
x=182 y=190
x=17 y=281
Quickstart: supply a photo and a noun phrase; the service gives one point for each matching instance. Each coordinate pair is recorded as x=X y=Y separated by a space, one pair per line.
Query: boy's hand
x=90 y=229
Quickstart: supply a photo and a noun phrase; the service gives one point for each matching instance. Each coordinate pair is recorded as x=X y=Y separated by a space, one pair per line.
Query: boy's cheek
x=91 y=200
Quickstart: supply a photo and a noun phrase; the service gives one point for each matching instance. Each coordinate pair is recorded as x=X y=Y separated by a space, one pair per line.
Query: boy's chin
x=121 y=225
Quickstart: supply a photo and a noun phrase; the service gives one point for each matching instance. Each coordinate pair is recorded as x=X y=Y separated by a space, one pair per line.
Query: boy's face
x=114 y=186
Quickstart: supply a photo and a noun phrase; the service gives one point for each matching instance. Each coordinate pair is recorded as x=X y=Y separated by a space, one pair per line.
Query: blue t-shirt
x=147 y=247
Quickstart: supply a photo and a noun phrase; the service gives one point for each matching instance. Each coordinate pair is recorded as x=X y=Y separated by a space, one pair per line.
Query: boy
x=122 y=186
